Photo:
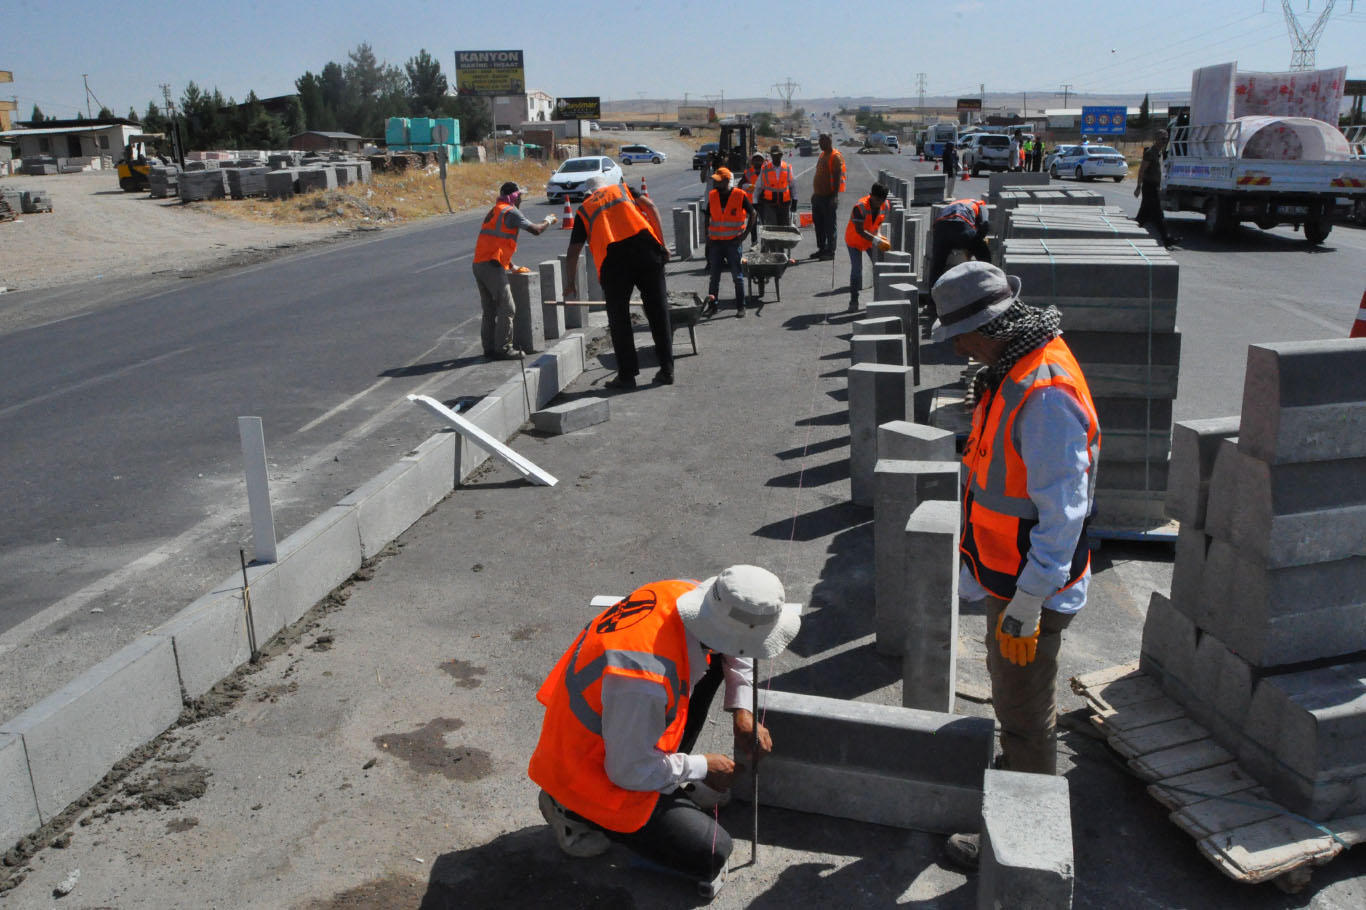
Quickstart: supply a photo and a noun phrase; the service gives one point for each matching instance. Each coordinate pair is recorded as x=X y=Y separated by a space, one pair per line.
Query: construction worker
x=624 y=707
x=750 y=181
x=492 y=261
x=828 y=183
x=729 y=215
x=961 y=225
x=777 y=190
x=1016 y=150
x=1150 y=186
x=627 y=241
x=861 y=235
x=1029 y=488
x=950 y=165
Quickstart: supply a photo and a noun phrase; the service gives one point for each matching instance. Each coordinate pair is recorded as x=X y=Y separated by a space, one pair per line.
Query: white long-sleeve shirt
x=633 y=720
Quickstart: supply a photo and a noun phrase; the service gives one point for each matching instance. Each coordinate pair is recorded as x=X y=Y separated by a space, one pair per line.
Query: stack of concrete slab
x=163 y=181
x=279 y=160
x=206 y=184
x=1118 y=302
x=34 y=201
x=202 y=165
x=1264 y=638
x=246 y=181
x=317 y=178
x=1012 y=197
x=39 y=165
x=1013 y=180
x=928 y=189
x=1065 y=222
x=280 y=184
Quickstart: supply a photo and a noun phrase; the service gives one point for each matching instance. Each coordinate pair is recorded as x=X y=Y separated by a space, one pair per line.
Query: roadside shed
x=323 y=141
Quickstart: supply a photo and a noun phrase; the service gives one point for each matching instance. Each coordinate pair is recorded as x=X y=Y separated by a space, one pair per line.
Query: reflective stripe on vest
x=497 y=236
x=728 y=222
x=966 y=210
x=752 y=183
x=998 y=514
x=863 y=208
x=610 y=215
x=835 y=154
x=776 y=182
x=642 y=638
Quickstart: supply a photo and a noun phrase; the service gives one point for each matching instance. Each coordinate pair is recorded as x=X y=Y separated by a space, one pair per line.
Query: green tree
x=316 y=115
x=427 y=85
x=474 y=114
x=336 y=95
x=765 y=124
x=1144 y=113
x=106 y=114
x=154 y=121
x=37 y=115
x=133 y=114
x=293 y=117
x=265 y=131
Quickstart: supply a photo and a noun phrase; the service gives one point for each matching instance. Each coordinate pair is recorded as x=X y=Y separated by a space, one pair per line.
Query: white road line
x=437 y=265
x=93 y=380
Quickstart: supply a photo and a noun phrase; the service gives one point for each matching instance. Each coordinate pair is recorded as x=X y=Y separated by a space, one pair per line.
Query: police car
x=1087 y=162
x=630 y=154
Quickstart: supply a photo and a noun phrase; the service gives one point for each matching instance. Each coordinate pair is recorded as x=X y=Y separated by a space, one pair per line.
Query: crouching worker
x=625 y=705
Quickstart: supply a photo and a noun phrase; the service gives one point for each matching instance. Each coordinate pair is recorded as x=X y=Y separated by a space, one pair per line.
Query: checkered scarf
x=1027 y=328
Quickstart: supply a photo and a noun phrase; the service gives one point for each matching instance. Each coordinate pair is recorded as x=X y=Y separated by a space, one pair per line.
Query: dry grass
x=393 y=198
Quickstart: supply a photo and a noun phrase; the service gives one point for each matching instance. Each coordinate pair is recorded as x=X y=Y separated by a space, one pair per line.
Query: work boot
x=664 y=377
x=964 y=851
x=507 y=354
x=621 y=382
x=575 y=837
x=739 y=309
x=853 y=304
x=709 y=307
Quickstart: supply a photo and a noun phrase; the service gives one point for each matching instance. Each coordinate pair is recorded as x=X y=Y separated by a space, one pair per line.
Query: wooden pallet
x=1236 y=824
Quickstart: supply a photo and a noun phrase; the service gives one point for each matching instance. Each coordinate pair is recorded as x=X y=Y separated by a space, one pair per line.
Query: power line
x=785 y=91
x=1304 y=44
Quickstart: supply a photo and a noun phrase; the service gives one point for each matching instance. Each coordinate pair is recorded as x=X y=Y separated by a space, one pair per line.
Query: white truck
x=1265 y=170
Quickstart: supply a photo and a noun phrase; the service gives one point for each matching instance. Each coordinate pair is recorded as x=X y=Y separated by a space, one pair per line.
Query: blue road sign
x=1103 y=120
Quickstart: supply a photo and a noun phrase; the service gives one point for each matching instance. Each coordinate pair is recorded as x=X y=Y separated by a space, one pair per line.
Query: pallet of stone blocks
x=1066 y=222
x=1118 y=302
x=1238 y=826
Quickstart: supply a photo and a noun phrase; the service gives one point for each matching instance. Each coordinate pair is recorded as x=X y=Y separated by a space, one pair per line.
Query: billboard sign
x=695 y=114
x=969 y=104
x=1354 y=88
x=489 y=73
x=1100 y=121
x=583 y=108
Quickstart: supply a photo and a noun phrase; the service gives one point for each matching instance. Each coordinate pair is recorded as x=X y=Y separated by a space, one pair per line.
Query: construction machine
x=141 y=152
x=734 y=149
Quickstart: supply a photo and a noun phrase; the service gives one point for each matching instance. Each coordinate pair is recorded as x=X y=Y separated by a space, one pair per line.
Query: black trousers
x=638 y=266
x=955 y=235
x=678 y=834
x=1150 y=210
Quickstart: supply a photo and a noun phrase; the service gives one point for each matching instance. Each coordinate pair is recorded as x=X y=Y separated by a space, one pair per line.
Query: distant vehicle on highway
x=567 y=182
x=1053 y=156
x=935 y=137
x=986 y=152
x=1087 y=162
x=703 y=155
x=631 y=154
x=685 y=131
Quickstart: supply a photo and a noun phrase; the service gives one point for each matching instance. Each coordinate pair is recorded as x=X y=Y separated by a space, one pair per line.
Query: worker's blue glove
x=1017 y=631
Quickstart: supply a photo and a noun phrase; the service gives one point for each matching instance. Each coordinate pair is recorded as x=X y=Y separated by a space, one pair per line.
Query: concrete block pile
x=163 y=181
x=1059 y=222
x=1118 y=302
x=246 y=181
x=203 y=184
x=1263 y=640
x=1013 y=197
x=928 y=189
x=32 y=202
x=1013 y=180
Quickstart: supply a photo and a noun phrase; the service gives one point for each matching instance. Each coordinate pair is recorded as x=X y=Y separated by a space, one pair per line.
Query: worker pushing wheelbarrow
x=771 y=259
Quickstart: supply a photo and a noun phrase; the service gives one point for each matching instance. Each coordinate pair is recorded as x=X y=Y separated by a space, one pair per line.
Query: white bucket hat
x=741 y=613
x=970 y=295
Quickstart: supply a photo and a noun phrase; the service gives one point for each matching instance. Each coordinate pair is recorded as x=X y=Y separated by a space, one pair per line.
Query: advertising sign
x=489 y=73
x=1354 y=87
x=695 y=114
x=584 y=108
x=1103 y=120
x=969 y=104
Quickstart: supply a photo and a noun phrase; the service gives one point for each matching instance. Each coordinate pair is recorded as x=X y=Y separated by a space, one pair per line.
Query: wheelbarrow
x=685 y=307
x=759 y=267
x=776 y=238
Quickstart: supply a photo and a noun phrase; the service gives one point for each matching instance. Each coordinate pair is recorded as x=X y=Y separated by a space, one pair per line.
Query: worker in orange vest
x=750 y=181
x=626 y=238
x=625 y=704
x=729 y=215
x=827 y=184
x=962 y=225
x=777 y=189
x=492 y=262
x=861 y=235
x=1029 y=488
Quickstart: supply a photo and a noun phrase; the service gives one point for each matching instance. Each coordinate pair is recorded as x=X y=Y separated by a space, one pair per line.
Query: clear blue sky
x=619 y=50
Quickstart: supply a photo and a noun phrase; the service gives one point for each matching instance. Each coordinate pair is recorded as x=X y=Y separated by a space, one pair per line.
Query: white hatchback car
x=569 y=179
x=1087 y=162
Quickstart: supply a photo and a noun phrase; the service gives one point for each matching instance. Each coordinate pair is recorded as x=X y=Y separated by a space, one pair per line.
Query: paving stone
x=1168 y=649
x=886 y=276
x=1117 y=367
x=75 y=735
x=528 y=326
x=211 y=640
x=1288 y=514
x=572 y=415
x=552 y=289
x=876 y=763
x=1274 y=617
x=877 y=325
x=886 y=349
x=904 y=440
x=1134 y=428
x=901 y=486
x=1305 y=401
x=925 y=610
x=1026 y=849
x=683 y=232
x=1194 y=445
x=1188 y=566
x=1100 y=293
x=388 y=503
x=316 y=558
x=18 y=807
x=877 y=393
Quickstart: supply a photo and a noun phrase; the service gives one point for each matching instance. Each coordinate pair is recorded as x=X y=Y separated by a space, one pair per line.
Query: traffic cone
x=567 y=219
x=964 y=175
x=643 y=190
x=936 y=165
x=1359 y=327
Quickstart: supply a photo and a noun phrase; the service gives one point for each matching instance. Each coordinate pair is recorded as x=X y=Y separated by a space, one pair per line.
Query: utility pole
x=920 y=83
x=1304 y=44
x=1066 y=92
x=86 y=80
x=785 y=91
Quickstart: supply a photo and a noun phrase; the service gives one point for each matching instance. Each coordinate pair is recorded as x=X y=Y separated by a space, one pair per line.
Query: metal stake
x=246 y=605
x=754 y=761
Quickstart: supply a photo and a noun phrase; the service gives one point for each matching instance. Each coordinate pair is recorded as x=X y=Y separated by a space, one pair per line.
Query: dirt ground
x=95 y=230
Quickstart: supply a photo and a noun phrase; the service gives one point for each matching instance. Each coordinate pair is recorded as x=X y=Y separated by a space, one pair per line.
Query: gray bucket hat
x=741 y=613
x=970 y=295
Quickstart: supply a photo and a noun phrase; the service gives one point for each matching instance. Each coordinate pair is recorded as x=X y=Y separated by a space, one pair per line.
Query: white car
x=569 y=179
x=1087 y=162
x=1053 y=156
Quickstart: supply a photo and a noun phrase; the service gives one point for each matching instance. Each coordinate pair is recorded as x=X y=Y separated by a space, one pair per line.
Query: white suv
x=985 y=152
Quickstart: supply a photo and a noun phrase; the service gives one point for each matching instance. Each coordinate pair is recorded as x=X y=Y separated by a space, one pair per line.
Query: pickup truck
x=986 y=152
x=1266 y=170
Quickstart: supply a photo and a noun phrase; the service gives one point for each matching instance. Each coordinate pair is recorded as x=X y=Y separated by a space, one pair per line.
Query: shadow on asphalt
x=1245 y=239
x=813 y=476
x=435 y=366
x=838 y=516
x=833 y=419
x=814 y=448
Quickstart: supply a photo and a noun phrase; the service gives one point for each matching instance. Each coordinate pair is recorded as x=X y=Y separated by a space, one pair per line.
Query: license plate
x=1293 y=209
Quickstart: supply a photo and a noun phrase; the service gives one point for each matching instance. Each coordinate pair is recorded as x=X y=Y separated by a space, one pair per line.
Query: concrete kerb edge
x=207 y=641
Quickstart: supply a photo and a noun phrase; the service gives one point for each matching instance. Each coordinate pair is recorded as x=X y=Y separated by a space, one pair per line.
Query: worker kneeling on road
x=1029 y=489
x=962 y=225
x=625 y=705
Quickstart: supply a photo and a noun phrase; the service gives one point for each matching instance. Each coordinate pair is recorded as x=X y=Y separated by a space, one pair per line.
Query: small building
x=73 y=139
x=509 y=110
x=323 y=141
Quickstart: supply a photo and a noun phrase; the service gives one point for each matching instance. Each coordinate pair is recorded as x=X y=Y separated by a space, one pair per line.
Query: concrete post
x=877 y=393
x=930 y=590
x=590 y=267
x=887 y=349
x=575 y=316
x=901 y=487
x=903 y=440
x=528 y=331
x=683 y=233
x=552 y=315
x=886 y=274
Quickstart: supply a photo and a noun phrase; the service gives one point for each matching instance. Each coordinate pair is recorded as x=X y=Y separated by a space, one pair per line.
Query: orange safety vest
x=835 y=154
x=641 y=637
x=610 y=215
x=776 y=182
x=497 y=236
x=730 y=221
x=966 y=210
x=863 y=210
x=752 y=183
x=998 y=514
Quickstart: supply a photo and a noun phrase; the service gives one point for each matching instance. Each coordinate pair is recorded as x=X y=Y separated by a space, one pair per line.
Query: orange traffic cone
x=643 y=190
x=936 y=165
x=1359 y=327
x=963 y=176
x=567 y=219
